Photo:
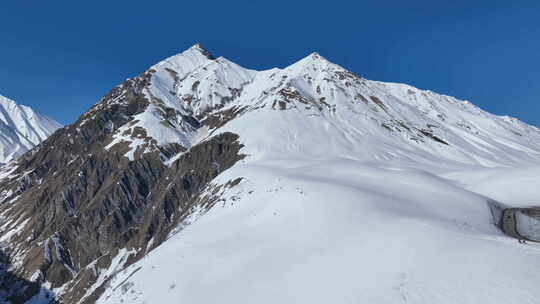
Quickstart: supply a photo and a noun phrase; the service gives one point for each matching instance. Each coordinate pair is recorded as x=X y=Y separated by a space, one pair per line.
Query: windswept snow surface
x=516 y=187
x=21 y=128
x=316 y=107
x=344 y=201
x=337 y=231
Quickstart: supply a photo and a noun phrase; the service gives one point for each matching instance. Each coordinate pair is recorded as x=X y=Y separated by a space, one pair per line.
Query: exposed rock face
x=75 y=204
x=98 y=195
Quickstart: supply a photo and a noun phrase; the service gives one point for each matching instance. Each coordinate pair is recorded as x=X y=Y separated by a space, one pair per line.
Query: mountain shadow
x=17 y=290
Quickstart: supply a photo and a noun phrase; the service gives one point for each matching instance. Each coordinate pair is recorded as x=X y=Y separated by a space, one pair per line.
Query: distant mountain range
x=21 y=128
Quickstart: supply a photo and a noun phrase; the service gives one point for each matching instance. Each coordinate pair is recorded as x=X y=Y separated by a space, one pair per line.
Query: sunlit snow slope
x=352 y=191
x=336 y=231
x=21 y=128
x=317 y=109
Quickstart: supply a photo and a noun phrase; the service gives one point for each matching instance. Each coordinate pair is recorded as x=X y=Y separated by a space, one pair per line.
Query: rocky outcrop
x=522 y=223
x=73 y=206
x=98 y=195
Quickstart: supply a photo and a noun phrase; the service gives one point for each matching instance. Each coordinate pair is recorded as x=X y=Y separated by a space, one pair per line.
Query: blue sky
x=60 y=56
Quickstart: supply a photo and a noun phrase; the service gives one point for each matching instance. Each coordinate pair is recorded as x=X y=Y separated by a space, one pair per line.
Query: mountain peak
x=4 y=101
x=315 y=55
x=21 y=128
x=197 y=47
x=200 y=135
x=313 y=60
x=187 y=61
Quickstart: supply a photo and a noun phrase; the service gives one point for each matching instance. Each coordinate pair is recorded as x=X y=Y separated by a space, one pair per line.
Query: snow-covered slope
x=21 y=128
x=315 y=108
x=201 y=181
x=336 y=231
x=352 y=191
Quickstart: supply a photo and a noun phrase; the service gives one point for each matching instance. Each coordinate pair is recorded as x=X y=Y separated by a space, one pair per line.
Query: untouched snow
x=21 y=128
x=353 y=191
x=336 y=231
x=516 y=187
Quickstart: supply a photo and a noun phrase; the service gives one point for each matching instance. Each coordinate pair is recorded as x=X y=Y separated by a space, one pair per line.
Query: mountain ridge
x=194 y=134
x=314 y=61
x=21 y=128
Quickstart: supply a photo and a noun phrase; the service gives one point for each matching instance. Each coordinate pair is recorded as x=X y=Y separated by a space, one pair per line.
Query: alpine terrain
x=200 y=181
x=21 y=128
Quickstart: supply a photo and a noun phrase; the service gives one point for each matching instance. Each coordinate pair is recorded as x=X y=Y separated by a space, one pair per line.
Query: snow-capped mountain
x=202 y=181
x=21 y=128
x=372 y=120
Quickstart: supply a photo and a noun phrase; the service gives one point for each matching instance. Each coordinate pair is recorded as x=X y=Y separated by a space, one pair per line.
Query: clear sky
x=61 y=56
